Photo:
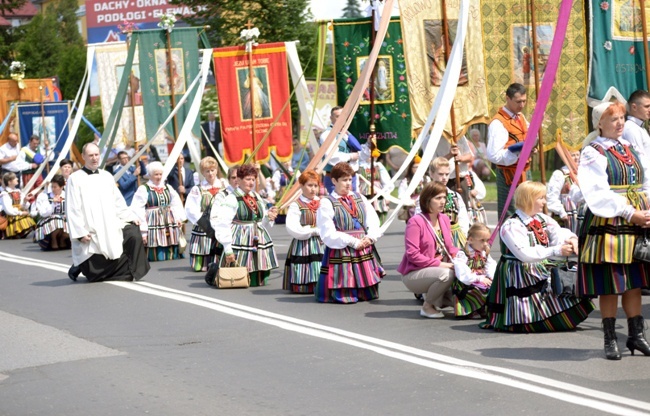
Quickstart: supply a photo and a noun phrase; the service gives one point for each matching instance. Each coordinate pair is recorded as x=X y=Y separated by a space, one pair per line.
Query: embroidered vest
x=516 y=134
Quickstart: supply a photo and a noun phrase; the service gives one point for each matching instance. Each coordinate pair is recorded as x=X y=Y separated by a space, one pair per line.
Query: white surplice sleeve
x=328 y=233
x=553 y=191
x=592 y=176
x=77 y=226
x=221 y=218
x=515 y=236
x=497 y=138
x=193 y=205
x=176 y=205
x=294 y=228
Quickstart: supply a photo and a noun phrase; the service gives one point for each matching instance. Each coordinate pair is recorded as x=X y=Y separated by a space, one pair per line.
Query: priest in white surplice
x=106 y=239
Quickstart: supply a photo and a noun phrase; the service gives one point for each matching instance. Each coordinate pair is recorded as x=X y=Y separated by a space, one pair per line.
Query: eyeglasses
x=232 y=177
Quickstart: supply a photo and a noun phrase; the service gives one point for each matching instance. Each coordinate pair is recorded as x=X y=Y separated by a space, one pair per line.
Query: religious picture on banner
x=133 y=89
x=44 y=128
x=523 y=65
x=260 y=103
x=626 y=20
x=384 y=87
x=436 y=51
x=163 y=72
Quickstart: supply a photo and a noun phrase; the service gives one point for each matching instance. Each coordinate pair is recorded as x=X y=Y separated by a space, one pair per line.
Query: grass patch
x=491 y=192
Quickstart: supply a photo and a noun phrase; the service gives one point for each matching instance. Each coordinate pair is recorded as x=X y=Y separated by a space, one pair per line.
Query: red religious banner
x=239 y=108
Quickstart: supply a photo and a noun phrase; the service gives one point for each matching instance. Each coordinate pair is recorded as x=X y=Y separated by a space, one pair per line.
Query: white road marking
x=570 y=393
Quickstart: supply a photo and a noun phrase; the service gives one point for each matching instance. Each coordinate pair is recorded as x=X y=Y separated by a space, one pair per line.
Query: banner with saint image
x=238 y=107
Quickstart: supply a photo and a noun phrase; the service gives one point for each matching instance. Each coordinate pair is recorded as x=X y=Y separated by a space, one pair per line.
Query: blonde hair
x=475 y=229
x=438 y=163
x=207 y=162
x=526 y=194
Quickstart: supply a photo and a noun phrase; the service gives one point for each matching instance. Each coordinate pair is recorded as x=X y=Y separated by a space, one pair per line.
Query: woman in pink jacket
x=426 y=266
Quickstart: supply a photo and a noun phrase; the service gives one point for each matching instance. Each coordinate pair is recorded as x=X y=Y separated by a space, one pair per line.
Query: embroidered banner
x=236 y=105
x=617 y=59
x=509 y=58
x=160 y=76
x=48 y=123
x=424 y=46
x=325 y=100
x=110 y=69
x=391 y=96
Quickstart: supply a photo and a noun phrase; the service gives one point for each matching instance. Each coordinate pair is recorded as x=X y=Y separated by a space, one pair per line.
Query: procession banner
x=424 y=48
x=236 y=106
x=47 y=122
x=111 y=60
x=391 y=93
x=325 y=99
x=617 y=67
x=160 y=78
x=509 y=58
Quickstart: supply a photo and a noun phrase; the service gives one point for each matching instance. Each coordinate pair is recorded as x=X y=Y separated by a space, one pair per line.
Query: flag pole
x=371 y=86
x=445 y=34
x=540 y=136
x=46 y=142
x=645 y=45
x=251 y=90
x=172 y=100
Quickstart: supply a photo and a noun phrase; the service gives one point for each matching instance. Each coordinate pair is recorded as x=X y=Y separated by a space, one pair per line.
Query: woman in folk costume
x=380 y=180
x=615 y=183
x=240 y=225
x=474 y=273
x=408 y=211
x=349 y=227
x=203 y=249
x=52 y=229
x=455 y=208
x=559 y=189
x=302 y=267
x=19 y=223
x=161 y=215
x=521 y=298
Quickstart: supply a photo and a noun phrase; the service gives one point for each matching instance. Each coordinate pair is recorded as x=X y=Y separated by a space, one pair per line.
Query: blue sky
x=327 y=9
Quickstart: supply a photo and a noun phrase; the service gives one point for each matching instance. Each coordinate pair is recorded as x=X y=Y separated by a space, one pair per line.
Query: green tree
x=351 y=10
x=8 y=35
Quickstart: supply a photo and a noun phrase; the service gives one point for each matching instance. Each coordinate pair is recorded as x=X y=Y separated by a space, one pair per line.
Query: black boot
x=611 y=348
x=636 y=335
x=74 y=272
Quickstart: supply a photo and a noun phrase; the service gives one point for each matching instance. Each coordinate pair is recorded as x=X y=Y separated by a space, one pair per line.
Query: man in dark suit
x=211 y=133
x=186 y=183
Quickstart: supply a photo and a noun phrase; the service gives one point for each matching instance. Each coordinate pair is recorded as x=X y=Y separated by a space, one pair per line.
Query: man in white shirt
x=506 y=134
x=9 y=159
x=638 y=112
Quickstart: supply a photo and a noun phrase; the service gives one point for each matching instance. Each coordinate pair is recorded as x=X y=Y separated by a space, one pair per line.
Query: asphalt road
x=171 y=345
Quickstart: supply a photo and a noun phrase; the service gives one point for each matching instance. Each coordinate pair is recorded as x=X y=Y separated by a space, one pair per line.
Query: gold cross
x=249 y=25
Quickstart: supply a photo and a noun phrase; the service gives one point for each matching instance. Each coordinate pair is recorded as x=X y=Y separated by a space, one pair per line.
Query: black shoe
x=611 y=347
x=211 y=275
x=418 y=296
x=636 y=336
x=74 y=272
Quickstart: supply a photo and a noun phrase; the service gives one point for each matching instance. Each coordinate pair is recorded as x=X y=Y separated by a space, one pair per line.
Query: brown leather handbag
x=233 y=276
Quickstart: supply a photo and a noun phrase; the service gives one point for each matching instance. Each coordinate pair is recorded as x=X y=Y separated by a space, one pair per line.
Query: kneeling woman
x=429 y=250
x=161 y=215
x=303 y=262
x=349 y=227
x=52 y=229
x=520 y=298
x=19 y=223
x=241 y=227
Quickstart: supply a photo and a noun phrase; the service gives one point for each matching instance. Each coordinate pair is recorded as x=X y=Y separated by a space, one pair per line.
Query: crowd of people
x=563 y=244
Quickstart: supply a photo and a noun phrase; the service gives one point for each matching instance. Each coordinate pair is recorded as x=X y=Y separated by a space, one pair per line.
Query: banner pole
x=132 y=98
x=540 y=136
x=371 y=85
x=172 y=100
x=645 y=45
x=46 y=142
x=452 y=115
x=251 y=89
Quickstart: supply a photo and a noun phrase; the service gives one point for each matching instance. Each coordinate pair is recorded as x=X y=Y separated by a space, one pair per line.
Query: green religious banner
x=617 y=67
x=391 y=96
x=167 y=68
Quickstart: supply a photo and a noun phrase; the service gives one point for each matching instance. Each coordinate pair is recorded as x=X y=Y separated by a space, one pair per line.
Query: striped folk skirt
x=18 y=226
x=162 y=239
x=47 y=226
x=458 y=236
x=348 y=275
x=303 y=264
x=606 y=265
x=468 y=299
x=253 y=248
x=521 y=300
x=203 y=250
